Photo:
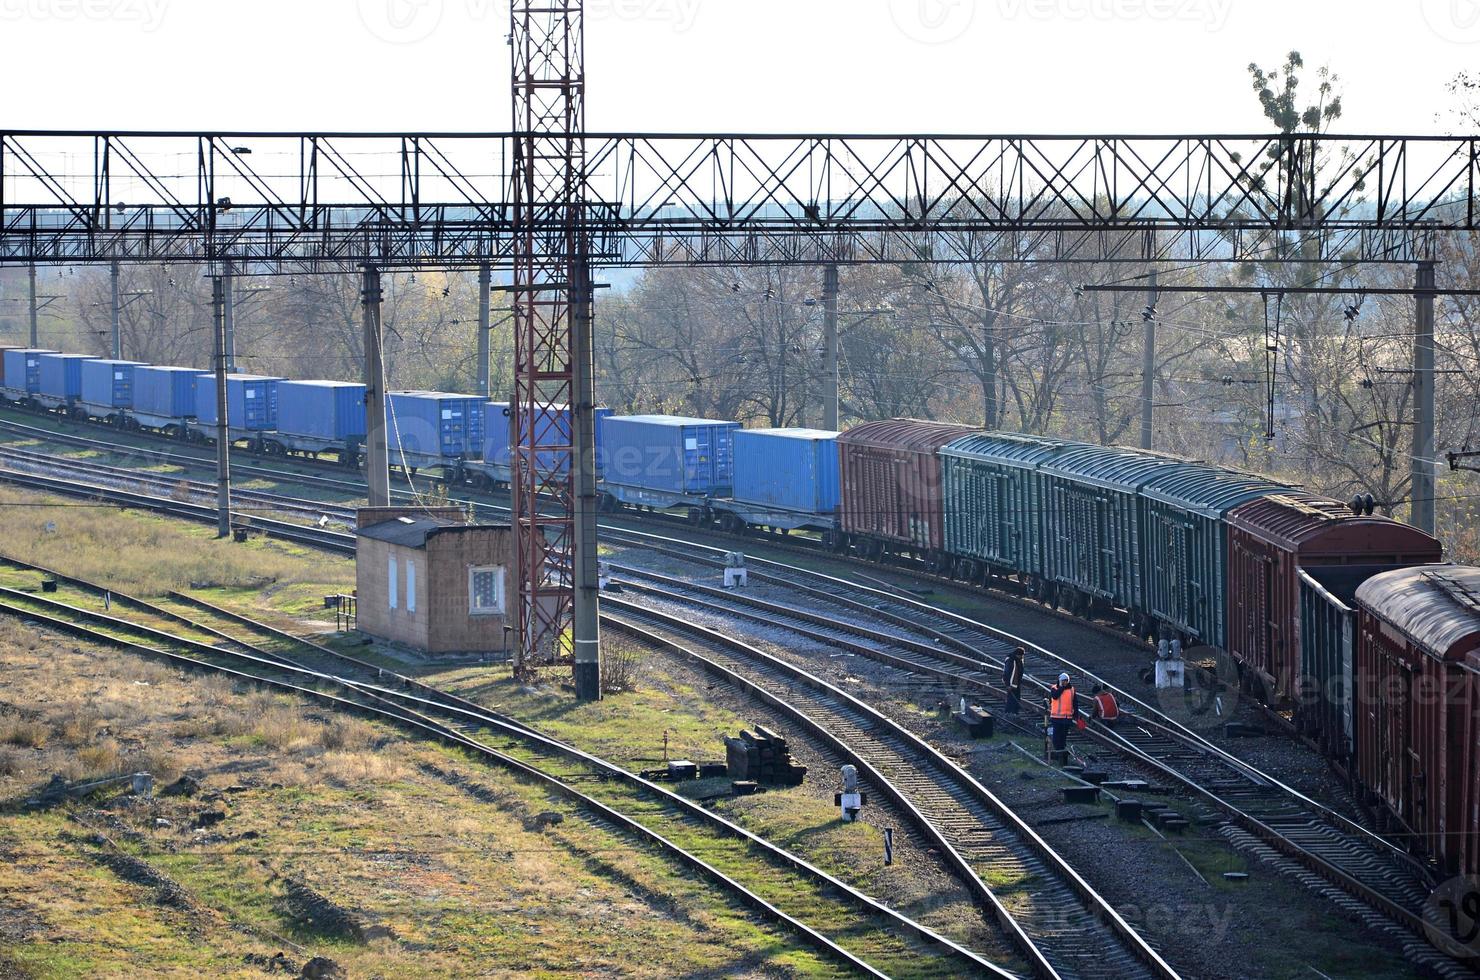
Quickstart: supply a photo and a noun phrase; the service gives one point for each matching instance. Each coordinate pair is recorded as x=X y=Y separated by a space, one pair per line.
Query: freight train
x=1348 y=621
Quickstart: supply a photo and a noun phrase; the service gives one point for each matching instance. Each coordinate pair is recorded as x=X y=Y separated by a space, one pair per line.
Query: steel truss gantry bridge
x=552 y=202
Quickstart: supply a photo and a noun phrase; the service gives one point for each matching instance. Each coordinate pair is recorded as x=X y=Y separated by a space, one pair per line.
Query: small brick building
x=428 y=580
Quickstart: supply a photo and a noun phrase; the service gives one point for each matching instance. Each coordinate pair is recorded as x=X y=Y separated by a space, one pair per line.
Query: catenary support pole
x=586 y=617
x=485 y=324
x=223 y=424
x=35 y=313
x=115 y=271
x=230 y=317
x=1425 y=460
x=377 y=449
x=1148 y=368
x=830 y=347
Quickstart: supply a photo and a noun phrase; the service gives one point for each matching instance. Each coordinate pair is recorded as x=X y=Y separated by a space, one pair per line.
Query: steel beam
x=377 y=448
x=223 y=422
x=1425 y=454
x=830 y=368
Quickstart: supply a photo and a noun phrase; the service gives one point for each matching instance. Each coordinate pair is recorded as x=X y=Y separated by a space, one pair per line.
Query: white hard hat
x=1063 y=678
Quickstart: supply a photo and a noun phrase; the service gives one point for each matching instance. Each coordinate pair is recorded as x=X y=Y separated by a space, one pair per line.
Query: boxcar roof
x=1121 y=469
x=1435 y=606
x=1011 y=448
x=1208 y=489
x=1294 y=519
x=908 y=434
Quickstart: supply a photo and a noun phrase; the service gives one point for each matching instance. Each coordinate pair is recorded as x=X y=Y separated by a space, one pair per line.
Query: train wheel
x=730 y=524
x=833 y=541
x=696 y=517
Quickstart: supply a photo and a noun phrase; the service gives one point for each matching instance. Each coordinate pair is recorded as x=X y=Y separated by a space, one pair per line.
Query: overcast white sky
x=978 y=66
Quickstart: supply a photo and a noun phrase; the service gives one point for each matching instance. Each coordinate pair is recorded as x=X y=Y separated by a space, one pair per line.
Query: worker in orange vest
x=1061 y=712
x=1106 y=708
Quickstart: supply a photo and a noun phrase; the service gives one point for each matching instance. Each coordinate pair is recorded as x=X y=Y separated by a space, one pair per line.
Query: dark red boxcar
x=1270 y=540
x=1416 y=705
x=892 y=485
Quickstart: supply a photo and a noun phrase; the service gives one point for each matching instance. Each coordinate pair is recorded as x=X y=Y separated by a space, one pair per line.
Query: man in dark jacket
x=1012 y=679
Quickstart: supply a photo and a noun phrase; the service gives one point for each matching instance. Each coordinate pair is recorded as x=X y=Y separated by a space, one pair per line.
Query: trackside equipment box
x=61 y=375
x=108 y=384
x=23 y=369
x=165 y=392
x=788 y=469
x=329 y=410
x=434 y=424
x=669 y=454
x=251 y=401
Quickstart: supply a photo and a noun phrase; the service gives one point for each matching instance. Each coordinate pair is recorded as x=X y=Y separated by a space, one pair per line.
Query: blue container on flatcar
x=108 y=384
x=670 y=454
x=993 y=499
x=251 y=401
x=788 y=469
x=61 y=375
x=165 y=392
x=435 y=424
x=1185 y=545
x=554 y=429
x=23 y=368
x=330 y=410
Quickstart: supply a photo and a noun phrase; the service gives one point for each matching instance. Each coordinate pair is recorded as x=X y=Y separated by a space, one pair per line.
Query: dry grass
x=26 y=733
x=149 y=556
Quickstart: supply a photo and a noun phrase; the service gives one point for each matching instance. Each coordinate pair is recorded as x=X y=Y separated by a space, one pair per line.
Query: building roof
x=405 y=531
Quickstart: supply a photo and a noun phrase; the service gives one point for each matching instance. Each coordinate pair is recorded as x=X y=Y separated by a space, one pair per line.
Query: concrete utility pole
x=485 y=324
x=830 y=347
x=230 y=280
x=35 y=312
x=377 y=450
x=1425 y=459
x=586 y=625
x=223 y=427
x=114 y=272
x=1148 y=376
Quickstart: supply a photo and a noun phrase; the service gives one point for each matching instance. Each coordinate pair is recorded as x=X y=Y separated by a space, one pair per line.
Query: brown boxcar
x=892 y=486
x=1416 y=705
x=1270 y=540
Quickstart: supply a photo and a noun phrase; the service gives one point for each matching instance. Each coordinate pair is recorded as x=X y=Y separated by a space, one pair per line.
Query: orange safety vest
x=1109 y=709
x=1062 y=707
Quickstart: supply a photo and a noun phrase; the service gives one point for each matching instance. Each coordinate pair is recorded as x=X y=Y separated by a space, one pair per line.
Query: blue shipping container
x=251 y=401
x=23 y=369
x=669 y=454
x=329 y=410
x=553 y=430
x=61 y=374
x=788 y=469
x=165 y=392
x=434 y=424
x=108 y=384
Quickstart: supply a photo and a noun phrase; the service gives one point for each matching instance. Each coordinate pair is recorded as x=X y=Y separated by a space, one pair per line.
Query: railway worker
x=1012 y=679
x=1061 y=712
x=1106 y=708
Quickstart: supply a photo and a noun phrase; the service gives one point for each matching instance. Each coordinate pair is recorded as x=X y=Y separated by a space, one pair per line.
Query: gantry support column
x=223 y=424
x=587 y=617
x=114 y=274
x=35 y=313
x=1425 y=452
x=377 y=449
x=485 y=324
x=1148 y=367
x=830 y=348
x=230 y=317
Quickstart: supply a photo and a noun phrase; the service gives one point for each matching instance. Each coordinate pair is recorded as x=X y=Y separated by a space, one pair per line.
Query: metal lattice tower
x=551 y=303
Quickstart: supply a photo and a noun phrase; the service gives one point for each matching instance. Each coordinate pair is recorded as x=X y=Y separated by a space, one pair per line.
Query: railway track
x=1058 y=919
x=857 y=932
x=1340 y=851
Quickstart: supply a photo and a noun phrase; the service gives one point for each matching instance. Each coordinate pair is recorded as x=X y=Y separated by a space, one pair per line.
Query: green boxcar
x=1185 y=546
x=1092 y=520
x=994 y=500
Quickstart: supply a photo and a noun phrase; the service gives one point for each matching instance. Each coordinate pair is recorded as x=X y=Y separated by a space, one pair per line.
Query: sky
x=790 y=66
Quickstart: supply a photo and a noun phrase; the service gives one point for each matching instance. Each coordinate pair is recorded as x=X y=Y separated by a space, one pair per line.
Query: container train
x=1347 y=620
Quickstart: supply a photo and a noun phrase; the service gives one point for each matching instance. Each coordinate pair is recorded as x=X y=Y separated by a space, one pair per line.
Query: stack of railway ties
x=1348 y=622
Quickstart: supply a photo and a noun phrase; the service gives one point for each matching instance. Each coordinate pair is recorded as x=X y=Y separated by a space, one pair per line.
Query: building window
x=486 y=591
x=393 y=580
x=410 y=586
